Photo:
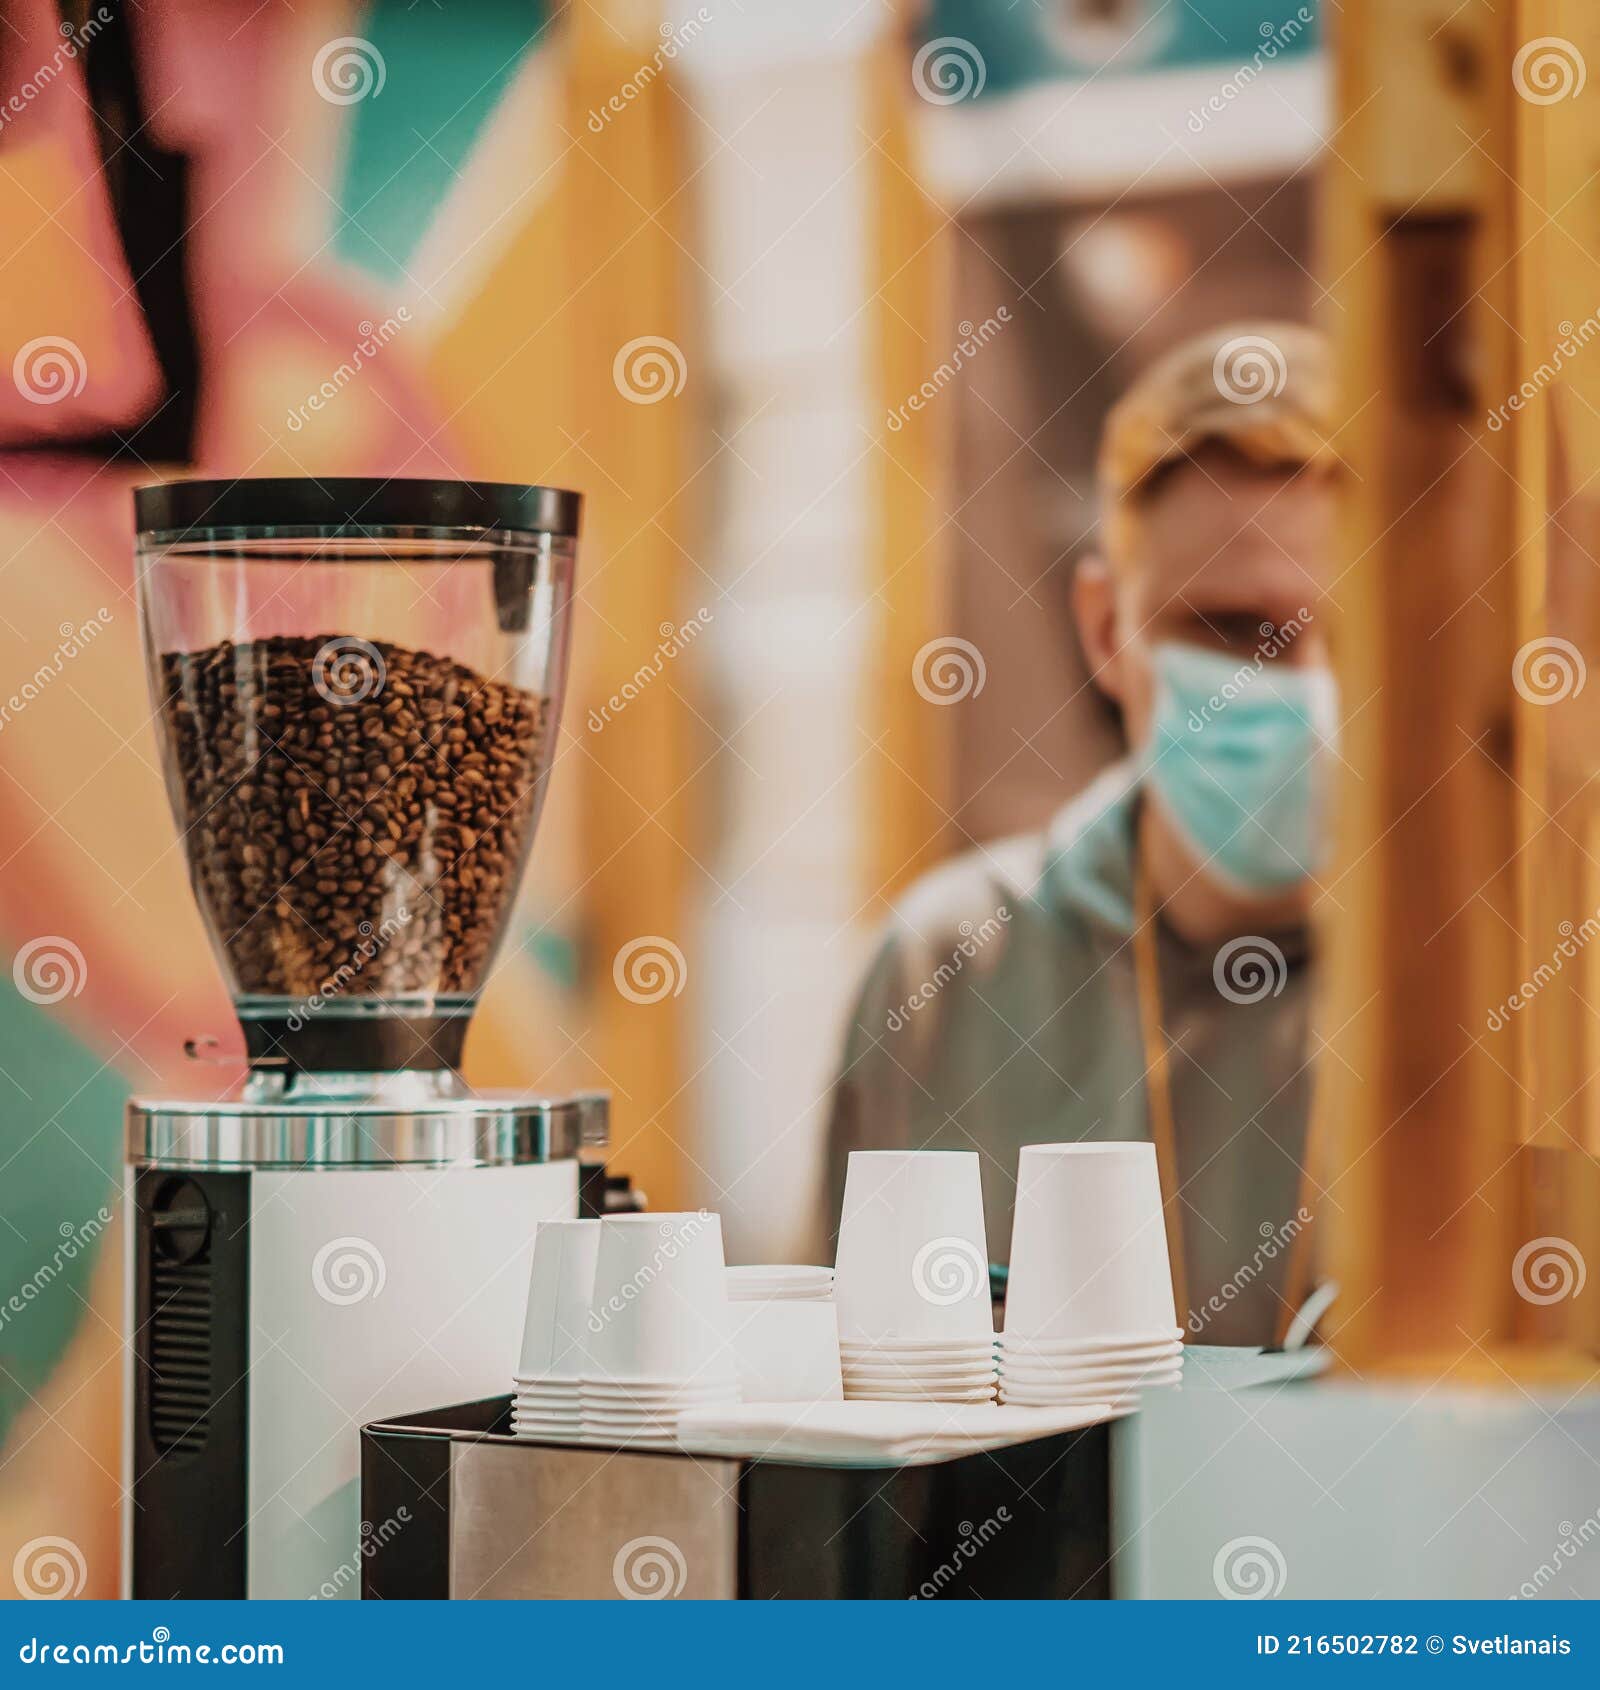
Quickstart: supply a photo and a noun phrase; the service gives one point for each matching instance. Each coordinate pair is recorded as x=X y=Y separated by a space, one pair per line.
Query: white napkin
x=874 y=1431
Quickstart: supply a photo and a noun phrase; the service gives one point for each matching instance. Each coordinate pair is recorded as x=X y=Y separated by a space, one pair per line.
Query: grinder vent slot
x=181 y=1310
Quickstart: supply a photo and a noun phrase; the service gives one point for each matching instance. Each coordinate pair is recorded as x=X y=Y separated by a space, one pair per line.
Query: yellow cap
x=1263 y=389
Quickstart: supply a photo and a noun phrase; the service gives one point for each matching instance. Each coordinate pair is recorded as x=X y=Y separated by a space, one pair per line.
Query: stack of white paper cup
x=780 y=1284
x=658 y=1331
x=546 y=1388
x=911 y=1283
x=1089 y=1308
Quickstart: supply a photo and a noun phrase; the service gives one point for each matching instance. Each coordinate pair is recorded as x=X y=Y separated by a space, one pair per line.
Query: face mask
x=1237 y=759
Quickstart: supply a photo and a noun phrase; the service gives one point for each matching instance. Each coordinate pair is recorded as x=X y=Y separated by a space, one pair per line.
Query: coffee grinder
x=356 y=686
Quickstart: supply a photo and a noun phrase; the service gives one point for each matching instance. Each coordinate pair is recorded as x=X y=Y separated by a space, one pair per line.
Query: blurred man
x=1140 y=970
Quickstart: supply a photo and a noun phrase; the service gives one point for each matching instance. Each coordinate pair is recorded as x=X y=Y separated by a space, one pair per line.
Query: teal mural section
x=60 y=1177
x=1020 y=45
x=429 y=80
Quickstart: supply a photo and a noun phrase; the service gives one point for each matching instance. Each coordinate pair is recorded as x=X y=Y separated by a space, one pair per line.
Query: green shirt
x=1002 y=1010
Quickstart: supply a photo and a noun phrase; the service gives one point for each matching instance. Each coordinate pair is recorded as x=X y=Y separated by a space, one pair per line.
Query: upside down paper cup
x=1104 y=1375
x=766 y=1284
x=560 y=1289
x=913 y=1259
x=920 y=1366
x=1089 y=1244
x=569 y=1396
x=660 y=1308
x=927 y=1393
x=1130 y=1404
x=1117 y=1344
x=920 y=1349
x=603 y=1398
x=1071 y=1396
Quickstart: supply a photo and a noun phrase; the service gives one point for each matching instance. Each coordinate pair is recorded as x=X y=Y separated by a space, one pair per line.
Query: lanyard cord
x=1163 y=1128
x=1158 y=1078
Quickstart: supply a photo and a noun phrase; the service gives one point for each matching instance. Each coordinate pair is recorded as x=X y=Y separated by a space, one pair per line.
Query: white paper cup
x=984 y=1392
x=1118 y=1344
x=953 y=1382
x=913 y=1258
x=1060 y=1397
x=560 y=1288
x=788 y=1352
x=633 y=1390
x=1093 y=1381
x=896 y=1393
x=627 y=1427
x=1035 y=1396
x=660 y=1307
x=602 y=1398
x=1130 y=1357
x=895 y=1367
x=890 y=1370
x=974 y=1345
x=936 y=1390
x=919 y=1374
x=865 y=1355
x=1111 y=1405
x=1089 y=1243
x=1106 y=1378
x=1042 y=1396
x=760 y=1284
x=629 y=1434
x=659 y=1423
x=1078 y=1375
x=1090 y=1358
x=865 y=1371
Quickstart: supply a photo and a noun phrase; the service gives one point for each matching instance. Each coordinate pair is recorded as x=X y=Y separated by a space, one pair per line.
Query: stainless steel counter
x=1258 y=1481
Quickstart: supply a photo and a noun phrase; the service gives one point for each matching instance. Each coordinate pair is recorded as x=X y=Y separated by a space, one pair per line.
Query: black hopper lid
x=173 y=508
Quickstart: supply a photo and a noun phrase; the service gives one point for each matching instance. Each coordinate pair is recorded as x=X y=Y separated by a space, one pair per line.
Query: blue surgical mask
x=1238 y=760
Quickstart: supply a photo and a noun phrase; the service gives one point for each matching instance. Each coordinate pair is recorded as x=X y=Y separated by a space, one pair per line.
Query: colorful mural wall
x=321 y=240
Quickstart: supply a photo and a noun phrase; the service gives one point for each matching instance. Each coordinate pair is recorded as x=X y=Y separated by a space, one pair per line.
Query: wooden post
x=629 y=238
x=1555 y=431
x=908 y=796
x=1423 y=1115
x=1464 y=247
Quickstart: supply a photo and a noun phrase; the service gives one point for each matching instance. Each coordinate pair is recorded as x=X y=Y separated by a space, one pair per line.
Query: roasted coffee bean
x=350 y=830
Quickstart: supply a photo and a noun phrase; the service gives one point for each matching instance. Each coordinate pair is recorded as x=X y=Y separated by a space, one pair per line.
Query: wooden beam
x=1420 y=238
x=1555 y=429
x=628 y=238
x=908 y=795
